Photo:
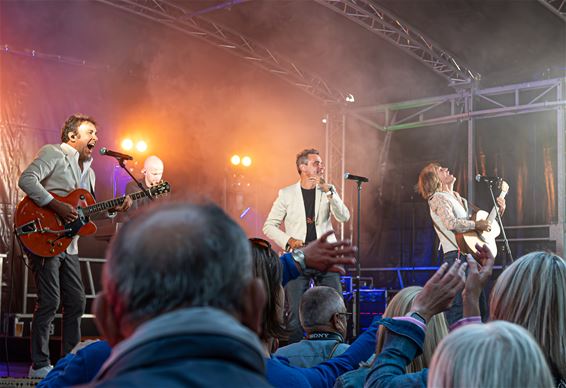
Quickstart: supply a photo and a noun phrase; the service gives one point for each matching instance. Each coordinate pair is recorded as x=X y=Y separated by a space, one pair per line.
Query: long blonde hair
x=436 y=329
x=531 y=292
x=496 y=354
x=429 y=182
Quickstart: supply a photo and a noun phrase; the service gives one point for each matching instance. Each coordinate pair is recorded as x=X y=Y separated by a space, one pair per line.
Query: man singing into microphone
x=450 y=214
x=305 y=209
x=60 y=169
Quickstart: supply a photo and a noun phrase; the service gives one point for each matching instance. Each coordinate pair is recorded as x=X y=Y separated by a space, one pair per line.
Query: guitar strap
x=92 y=191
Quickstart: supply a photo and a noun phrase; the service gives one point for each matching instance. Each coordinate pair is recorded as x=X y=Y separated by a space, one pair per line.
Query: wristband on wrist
x=299 y=258
x=418 y=317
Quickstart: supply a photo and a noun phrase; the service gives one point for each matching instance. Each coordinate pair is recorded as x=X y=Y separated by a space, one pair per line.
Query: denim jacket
x=404 y=341
x=308 y=353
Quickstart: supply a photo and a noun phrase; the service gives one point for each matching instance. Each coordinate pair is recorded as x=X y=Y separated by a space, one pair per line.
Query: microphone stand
x=507 y=248
x=356 y=313
x=122 y=164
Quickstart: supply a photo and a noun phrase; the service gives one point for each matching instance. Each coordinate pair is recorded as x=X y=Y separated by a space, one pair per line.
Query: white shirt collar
x=73 y=153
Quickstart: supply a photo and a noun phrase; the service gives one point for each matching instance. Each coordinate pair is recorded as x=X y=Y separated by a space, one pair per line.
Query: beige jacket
x=289 y=209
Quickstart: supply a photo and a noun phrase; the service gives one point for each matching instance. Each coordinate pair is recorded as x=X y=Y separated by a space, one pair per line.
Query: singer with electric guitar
x=450 y=214
x=60 y=169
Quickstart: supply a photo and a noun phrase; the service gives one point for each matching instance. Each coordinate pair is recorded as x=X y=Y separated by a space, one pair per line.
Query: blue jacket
x=79 y=368
x=404 y=341
x=191 y=347
x=281 y=374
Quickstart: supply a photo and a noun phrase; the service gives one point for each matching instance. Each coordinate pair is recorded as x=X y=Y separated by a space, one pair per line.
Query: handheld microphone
x=488 y=179
x=117 y=155
x=355 y=177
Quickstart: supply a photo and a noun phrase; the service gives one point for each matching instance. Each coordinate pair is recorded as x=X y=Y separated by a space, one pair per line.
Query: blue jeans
x=295 y=290
x=456 y=311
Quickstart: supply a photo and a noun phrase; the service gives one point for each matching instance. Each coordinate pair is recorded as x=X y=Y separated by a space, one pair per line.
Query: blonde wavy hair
x=531 y=292
x=496 y=354
x=436 y=329
x=429 y=182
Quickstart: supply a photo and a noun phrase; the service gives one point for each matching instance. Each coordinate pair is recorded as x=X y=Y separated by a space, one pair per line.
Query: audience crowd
x=188 y=300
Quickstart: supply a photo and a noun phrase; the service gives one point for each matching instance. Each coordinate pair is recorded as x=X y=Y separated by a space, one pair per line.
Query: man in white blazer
x=305 y=208
x=60 y=169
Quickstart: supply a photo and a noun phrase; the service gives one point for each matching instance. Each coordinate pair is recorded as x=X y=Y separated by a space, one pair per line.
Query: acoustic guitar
x=45 y=234
x=467 y=241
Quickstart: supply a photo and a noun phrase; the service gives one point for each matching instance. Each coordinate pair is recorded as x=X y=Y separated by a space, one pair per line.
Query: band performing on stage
x=310 y=194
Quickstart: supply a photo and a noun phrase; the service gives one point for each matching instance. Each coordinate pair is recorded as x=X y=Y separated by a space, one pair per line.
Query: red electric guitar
x=45 y=234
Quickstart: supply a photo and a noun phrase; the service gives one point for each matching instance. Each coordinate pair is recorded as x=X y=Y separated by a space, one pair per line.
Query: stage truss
x=469 y=105
x=380 y=21
x=184 y=20
x=557 y=7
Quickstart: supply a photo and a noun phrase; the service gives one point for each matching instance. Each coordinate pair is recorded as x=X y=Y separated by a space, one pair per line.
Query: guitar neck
x=493 y=212
x=111 y=203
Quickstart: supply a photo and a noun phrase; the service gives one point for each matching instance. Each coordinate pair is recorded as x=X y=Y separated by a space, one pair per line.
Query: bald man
x=152 y=173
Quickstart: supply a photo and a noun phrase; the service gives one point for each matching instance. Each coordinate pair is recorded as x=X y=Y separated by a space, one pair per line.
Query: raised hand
x=329 y=257
x=479 y=272
x=440 y=290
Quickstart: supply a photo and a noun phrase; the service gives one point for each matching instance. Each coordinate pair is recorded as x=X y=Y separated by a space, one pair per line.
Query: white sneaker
x=39 y=373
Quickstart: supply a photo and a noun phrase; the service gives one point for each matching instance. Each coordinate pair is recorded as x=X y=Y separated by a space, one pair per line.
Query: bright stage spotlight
x=141 y=146
x=246 y=161
x=235 y=160
x=127 y=144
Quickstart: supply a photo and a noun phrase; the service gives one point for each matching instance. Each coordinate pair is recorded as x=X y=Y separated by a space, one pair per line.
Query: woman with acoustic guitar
x=451 y=215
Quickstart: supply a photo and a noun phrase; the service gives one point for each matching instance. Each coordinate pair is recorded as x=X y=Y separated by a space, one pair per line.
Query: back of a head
x=318 y=306
x=437 y=328
x=267 y=267
x=178 y=255
x=531 y=292
x=497 y=354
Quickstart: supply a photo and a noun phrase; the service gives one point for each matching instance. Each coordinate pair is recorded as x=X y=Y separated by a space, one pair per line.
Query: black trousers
x=456 y=311
x=58 y=280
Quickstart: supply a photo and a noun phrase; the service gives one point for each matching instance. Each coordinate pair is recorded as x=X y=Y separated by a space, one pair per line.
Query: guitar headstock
x=160 y=189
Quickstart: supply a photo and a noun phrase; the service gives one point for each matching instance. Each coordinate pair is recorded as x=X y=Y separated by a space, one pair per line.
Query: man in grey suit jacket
x=305 y=208
x=60 y=169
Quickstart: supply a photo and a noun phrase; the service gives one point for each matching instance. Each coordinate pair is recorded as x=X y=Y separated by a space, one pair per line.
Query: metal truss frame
x=472 y=104
x=558 y=7
x=186 y=21
x=466 y=104
x=335 y=154
x=385 y=24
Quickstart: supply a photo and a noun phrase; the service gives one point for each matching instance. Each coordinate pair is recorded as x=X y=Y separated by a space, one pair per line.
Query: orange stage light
x=235 y=160
x=127 y=144
x=246 y=161
x=141 y=146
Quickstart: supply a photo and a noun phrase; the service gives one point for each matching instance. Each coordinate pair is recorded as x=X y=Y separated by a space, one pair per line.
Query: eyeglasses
x=346 y=314
x=261 y=242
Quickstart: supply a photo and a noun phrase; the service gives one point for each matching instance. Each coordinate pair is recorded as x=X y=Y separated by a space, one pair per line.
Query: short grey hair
x=497 y=354
x=303 y=157
x=318 y=306
x=179 y=255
